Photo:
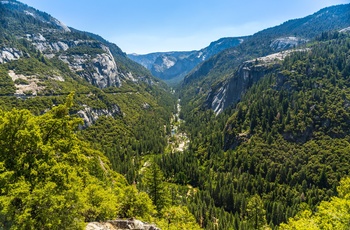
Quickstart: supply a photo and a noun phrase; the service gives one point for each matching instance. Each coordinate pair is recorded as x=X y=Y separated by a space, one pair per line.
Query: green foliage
x=333 y=214
x=99 y=202
x=286 y=141
x=302 y=221
x=7 y=86
x=154 y=185
x=136 y=204
x=177 y=217
x=50 y=179
x=255 y=213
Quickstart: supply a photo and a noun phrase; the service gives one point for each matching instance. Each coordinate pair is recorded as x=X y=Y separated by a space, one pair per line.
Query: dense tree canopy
x=286 y=142
x=50 y=179
x=273 y=161
x=333 y=214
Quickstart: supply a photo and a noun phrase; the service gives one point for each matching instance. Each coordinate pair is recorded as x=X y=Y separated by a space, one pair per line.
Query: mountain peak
x=28 y=11
x=173 y=66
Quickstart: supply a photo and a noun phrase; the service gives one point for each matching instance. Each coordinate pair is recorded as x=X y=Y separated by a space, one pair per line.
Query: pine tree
x=153 y=184
x=256 y=213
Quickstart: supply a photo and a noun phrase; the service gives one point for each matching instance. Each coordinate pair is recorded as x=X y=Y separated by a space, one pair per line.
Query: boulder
x=120 y=224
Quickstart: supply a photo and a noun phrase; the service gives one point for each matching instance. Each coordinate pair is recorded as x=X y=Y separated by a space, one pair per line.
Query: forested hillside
x=282 y=148
x=71 y=158
x=87 y=135
x=49 y=178
x=124 y=108
x=52 y=179
x=293 y=33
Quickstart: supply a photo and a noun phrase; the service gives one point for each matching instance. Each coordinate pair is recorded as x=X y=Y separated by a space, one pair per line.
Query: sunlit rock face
x=8 y=54
x=121 y=225
x=91 y=115
x=173 y=66
x=287 y=43
x=229 y=92
x=99 y=69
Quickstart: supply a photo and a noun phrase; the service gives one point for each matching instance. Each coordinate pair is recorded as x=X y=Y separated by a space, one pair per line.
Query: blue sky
x=145 y=26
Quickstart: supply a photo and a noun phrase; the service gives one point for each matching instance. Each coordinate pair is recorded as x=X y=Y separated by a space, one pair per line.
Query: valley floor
x=178 y=141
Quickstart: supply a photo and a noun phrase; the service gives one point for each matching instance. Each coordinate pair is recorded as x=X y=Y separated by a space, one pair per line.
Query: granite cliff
x=94 y=59
x=209 y=81
x=172 y=67
x=229 y=92
x=121 y=225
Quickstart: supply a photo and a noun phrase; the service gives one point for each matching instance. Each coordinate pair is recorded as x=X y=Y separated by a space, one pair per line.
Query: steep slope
x=58 y=171
x=49 y=177
x=293 y=33
x=173 y=66
x=94 y=59
x=230 y=92
x=121 y=103
x=284 y=144
x=268 y=125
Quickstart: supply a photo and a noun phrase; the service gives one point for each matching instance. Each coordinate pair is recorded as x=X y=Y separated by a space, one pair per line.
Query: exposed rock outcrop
x=49 y=48
x=9 y=54
x=90 y=115
x=106 y=73
x=232 y=140
x=99 y=69
x=175 y=65
x=163 y=62
x=287 y=43
x=121 y=225
x=345 y=30
x=230 y=92
x=26 y=85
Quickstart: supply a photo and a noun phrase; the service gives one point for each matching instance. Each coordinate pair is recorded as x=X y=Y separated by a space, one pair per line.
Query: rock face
x=287 y=43
x=46 y=46
x=345 y=30
x=9 y=54
x=90 y=115
x=230 y=92
x=173 y=66
x=98 y=68
x=121 y=225
x=90 y=56
x=232 y=140
x=26 y=85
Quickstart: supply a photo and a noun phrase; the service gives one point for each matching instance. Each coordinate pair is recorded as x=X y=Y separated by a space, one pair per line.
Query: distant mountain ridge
x=42 y=61
x=270 y=117
x=98 y=61
x=83 y=116
x=173 y=66
x=204 y=80
x=268 y=122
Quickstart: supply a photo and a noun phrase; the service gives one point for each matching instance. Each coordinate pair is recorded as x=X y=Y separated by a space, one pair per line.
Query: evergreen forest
x=75 y=149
